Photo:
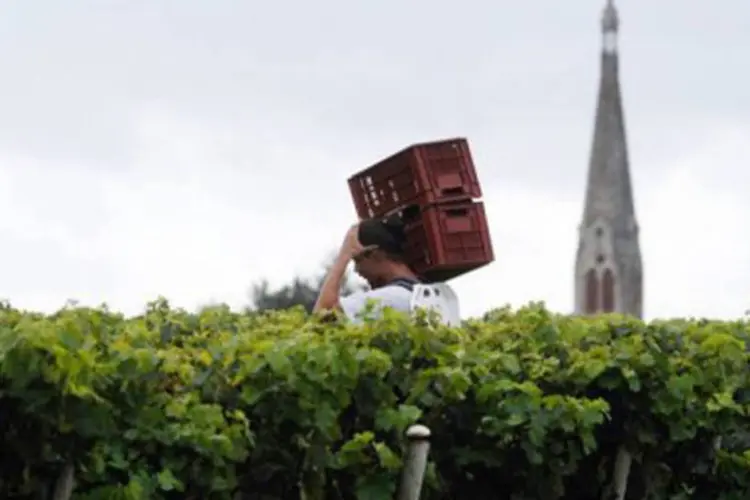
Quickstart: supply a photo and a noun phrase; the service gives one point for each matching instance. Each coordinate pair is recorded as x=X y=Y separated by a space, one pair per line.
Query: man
x=376 y=248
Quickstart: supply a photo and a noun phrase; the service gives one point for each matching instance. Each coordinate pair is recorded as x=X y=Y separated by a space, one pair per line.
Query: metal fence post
x=415 y=463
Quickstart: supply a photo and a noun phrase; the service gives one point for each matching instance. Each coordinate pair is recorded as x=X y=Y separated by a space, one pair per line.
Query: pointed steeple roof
x=609 y=192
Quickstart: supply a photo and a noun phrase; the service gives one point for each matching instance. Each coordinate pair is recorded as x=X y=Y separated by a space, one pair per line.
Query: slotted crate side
x=421 y=174
x=385 y=186
x=448 y=240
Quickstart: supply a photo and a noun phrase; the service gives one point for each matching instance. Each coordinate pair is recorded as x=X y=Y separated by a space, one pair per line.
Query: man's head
x=382 y=257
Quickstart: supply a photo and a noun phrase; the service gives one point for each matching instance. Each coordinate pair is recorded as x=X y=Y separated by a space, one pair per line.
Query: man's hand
x=351 y=245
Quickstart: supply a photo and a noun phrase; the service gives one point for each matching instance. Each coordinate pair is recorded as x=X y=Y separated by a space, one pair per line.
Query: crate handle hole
x=453 y=191
x=457 y=212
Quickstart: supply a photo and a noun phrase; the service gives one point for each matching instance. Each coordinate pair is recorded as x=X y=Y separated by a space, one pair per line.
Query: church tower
x=608 y=270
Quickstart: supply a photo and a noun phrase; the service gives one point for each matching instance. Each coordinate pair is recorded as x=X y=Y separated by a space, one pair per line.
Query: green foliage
x=522 y=405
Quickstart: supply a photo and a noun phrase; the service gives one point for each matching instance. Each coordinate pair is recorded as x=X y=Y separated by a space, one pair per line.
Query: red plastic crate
x=448 y=239
x=421 y=174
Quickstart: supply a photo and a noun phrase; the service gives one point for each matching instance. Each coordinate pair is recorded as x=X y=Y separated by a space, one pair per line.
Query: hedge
x=524 y=404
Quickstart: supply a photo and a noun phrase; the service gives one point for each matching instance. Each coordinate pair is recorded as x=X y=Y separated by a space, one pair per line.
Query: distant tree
x=300 y=292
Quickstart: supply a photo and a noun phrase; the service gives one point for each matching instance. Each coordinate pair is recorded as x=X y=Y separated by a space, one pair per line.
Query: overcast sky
x=189 y=148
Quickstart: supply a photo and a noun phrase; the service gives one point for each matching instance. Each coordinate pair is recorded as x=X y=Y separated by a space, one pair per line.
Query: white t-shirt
x=435 y=296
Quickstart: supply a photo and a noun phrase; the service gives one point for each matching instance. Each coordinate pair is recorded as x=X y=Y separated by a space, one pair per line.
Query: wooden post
x=415 y=463
x=622 y=472
x=65 y=483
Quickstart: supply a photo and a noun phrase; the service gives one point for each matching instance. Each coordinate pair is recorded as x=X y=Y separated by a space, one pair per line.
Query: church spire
x=608 y=275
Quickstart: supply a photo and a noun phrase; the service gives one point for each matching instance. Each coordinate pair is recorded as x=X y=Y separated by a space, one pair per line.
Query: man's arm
x=328 y=299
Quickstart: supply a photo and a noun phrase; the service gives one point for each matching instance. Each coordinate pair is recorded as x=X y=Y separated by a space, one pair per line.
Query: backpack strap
x=407 y=283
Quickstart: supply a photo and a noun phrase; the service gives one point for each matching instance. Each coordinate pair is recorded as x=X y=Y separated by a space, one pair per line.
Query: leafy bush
x=522 y=405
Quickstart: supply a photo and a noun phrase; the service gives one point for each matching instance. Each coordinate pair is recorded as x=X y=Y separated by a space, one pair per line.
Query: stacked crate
x=433 y=187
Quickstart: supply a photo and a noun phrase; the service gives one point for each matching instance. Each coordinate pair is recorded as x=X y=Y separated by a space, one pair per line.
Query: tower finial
x=610 y=27
x=610 y=18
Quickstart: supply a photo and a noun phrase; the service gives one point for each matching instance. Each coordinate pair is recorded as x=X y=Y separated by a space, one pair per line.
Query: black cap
x=384 y=233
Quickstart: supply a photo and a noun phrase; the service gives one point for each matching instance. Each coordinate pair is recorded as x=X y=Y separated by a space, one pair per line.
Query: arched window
x=608 y=291
x=592 y=293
